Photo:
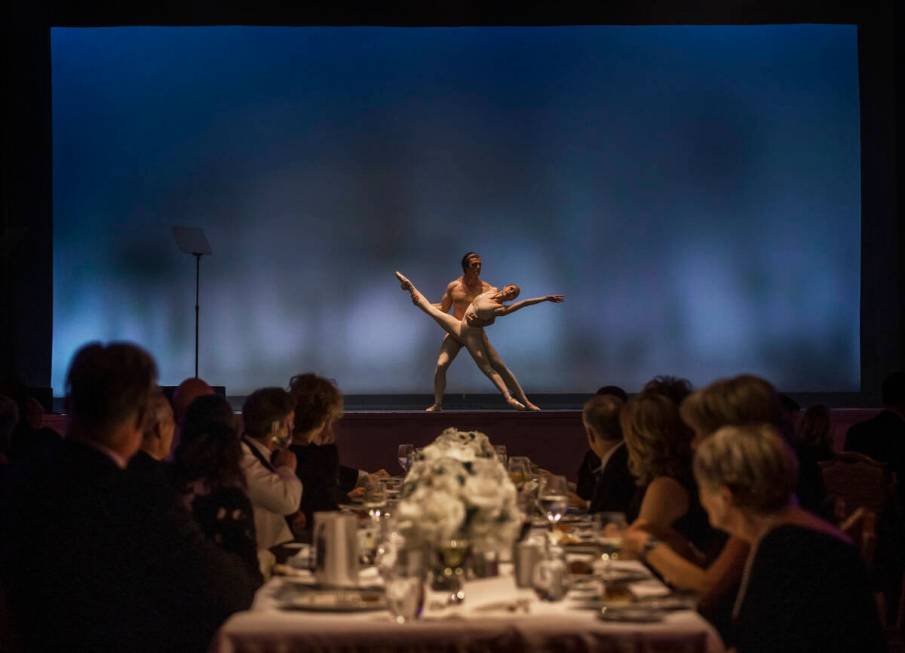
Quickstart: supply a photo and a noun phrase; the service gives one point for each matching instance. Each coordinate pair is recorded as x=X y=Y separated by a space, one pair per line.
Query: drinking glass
x=519 y=467
x=611 y=526
x=449 y=577
x=554 y=498
x=403 y=579
x=551 y=577
x=404 y=455
x=501 y=454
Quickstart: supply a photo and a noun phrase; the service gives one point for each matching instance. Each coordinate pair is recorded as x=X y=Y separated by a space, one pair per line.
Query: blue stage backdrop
x=693 y=190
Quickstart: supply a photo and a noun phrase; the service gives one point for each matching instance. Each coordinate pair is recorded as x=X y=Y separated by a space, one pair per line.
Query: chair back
x=860 y=489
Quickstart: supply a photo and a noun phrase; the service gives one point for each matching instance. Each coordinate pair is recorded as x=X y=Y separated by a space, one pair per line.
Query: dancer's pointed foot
x=532 y=407
x=515 y=403
x=434 y=408
x=403 y=280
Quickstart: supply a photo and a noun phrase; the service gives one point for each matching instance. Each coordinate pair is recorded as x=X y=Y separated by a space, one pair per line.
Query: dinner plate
x=625 y=576
x=314 y=599
x=631 y=615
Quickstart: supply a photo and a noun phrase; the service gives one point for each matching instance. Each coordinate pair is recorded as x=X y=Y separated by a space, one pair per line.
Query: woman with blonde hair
x=659 y=457
x=804 y=587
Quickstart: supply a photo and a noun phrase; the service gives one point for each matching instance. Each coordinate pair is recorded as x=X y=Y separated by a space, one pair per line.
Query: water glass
x=551 y=578
x=610 y=527
x=405 y=597
x=403 y=579
x=404 y=454
x=501 y=454
x=554 y=498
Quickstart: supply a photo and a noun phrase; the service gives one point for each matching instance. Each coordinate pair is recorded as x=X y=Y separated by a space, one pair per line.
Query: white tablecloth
x=470 y=627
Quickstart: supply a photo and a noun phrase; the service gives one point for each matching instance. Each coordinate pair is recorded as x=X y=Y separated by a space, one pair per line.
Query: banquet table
x=495 y=616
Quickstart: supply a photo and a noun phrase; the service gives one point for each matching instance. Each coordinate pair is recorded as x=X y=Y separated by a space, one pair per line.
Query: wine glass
x=451 y=556
x=554 y=498
x=501 y=454
x=611 y=526
x=404 y=455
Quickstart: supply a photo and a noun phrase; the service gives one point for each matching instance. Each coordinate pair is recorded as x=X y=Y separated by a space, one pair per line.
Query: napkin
x=647 y=589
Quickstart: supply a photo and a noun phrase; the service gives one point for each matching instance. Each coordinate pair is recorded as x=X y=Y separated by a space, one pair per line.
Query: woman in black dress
x=659 y=456
x=318 y=405
x=804 y=587
x=210 y=480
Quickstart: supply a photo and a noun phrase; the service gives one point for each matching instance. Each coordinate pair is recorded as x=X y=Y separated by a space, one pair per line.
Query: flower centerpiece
x=458 y=489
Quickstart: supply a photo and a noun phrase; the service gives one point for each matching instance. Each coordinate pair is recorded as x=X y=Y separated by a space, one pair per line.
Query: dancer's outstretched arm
x=512 y=308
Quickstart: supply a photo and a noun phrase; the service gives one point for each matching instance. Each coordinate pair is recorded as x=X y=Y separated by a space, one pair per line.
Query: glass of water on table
x=405 y=454
x=610 y=528
x=553 y=498
x=404 y=572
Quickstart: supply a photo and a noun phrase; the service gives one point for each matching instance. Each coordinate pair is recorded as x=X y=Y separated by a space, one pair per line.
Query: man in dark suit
x=590 y=463
x=94 y=558
x=883 y=437
x=615 y=486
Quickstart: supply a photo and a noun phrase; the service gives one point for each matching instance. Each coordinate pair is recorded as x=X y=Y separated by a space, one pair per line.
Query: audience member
x=748 y=399
x=185 y=393
x=740 y=400
x=318 y=404
x=156 y=438
x=883 y=437
x=269 y=467
x=9 y=417
x=30 y=439
x=805 y=587
x=590 y=463
x=183 y=396
x=93 y=558
x=813 y=433
x=659 y=456
x=791 y=414
x=673 y=387
x=210 y=479
x=615 y=487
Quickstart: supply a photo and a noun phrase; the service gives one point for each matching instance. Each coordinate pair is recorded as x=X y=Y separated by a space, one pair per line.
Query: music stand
x=192 y=240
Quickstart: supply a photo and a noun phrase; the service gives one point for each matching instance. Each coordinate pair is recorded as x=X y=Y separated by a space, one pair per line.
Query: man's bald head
x=185 y=393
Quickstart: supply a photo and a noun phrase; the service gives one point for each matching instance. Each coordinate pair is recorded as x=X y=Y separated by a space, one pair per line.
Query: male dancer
x=458 y=295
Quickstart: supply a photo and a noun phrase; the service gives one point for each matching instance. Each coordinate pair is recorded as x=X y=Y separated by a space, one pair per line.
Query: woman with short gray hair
x=804 y=587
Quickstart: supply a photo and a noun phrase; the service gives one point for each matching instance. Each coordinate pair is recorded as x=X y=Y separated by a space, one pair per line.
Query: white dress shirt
x=274 y=492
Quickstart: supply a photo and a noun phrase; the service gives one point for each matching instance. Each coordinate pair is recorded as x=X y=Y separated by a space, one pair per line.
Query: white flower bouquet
x=456 y=488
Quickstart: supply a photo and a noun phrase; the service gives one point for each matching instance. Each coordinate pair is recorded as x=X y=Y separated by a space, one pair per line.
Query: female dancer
x=469 y=331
